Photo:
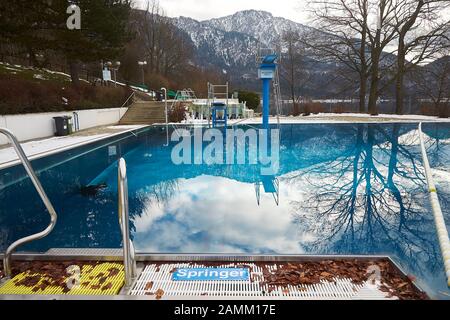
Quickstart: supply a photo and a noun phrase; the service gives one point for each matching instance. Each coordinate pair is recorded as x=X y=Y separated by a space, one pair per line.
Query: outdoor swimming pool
x=341 y=189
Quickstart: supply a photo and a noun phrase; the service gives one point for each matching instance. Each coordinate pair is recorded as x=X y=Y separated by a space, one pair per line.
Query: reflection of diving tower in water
x=267 y=60
x=218 y=95
x=271 y=184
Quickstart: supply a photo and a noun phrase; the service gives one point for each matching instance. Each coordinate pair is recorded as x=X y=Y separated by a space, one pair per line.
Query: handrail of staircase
x=34 y=179
x=126 y=102
x=129 y=259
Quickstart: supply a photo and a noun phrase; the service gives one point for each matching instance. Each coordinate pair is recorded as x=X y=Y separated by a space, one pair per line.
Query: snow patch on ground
x=39 y=76
x=35 y=148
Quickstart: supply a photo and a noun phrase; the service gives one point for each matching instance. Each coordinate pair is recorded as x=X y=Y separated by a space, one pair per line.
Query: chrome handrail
x=129 y=259
x=131 y=96
x=442 y=233
x=37 y=184
x=167 y=116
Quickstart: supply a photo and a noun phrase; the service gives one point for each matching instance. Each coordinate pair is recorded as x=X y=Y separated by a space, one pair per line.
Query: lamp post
x=114 y=67
x=108 y=65
x=142 y=64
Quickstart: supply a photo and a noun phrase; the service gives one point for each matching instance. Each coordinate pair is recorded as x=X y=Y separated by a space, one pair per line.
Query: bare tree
x=293 y=67
x=433 y=82
x=343 y=40
x=420 y=30
x=161 y=44
x=381 y=32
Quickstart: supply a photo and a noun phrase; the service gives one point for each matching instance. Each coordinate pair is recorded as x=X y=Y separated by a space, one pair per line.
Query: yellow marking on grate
x=91 y=282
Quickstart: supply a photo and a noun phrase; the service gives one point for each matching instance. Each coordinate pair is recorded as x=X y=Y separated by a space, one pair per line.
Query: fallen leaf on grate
x=159 y=294
x=149 y=285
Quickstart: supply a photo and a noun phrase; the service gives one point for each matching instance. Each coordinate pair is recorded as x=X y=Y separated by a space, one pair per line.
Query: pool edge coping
x=40 y=155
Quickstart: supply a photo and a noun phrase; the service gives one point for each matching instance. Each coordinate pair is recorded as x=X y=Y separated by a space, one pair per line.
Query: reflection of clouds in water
x=211 y=214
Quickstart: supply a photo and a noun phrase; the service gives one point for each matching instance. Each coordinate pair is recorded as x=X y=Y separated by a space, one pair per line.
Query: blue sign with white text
x=211 y=274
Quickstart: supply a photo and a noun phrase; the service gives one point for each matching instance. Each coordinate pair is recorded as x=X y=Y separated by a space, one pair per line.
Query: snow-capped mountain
x=261 y=25
x=230 y=43
x=234 y=39
x=225 y=49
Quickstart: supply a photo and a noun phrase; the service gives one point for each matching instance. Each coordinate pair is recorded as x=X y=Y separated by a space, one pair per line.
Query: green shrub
x=253 y=100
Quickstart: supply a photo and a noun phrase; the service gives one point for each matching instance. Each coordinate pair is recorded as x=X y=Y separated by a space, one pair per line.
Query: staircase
x=144 y=112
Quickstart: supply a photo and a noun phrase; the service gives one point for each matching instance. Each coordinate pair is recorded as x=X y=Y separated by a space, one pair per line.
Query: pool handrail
x=444 y=241
x=167 y=116
x=129 y=259
x=37 y=184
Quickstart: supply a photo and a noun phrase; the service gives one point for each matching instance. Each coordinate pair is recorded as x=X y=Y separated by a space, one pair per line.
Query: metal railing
x=126 y=103
x=34 y=179
x=216 y=91
x=76 y=122
x=129 y=259
x=128 y=100
x=166 y=111
x=439 y=220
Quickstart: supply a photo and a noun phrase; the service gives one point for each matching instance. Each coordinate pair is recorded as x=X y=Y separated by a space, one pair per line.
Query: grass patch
x=27 y=90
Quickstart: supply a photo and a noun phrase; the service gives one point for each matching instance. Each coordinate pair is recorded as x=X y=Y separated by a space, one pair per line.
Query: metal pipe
x=128 y=248
x=167 y=115
x=439 y=221
x=34 y=179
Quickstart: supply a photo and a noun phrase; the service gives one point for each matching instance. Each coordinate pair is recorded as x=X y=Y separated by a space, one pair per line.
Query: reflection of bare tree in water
x=370 y=200
x=437 y=142
x=162 y=192
x=158 y=194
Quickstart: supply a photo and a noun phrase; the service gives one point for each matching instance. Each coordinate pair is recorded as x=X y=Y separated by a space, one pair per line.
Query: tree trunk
x=373 y=95
x=362 y=93
x=32 y=61
x=363 y=71
x=399 y=92
x=74 y=73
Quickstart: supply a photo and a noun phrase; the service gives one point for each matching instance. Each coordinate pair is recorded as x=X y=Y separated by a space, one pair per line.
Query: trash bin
x=63 y=126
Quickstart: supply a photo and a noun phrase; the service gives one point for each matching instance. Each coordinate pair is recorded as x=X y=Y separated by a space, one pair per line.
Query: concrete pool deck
x=43 y=147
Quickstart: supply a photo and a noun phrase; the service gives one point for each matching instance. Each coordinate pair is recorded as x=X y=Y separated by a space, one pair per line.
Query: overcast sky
x=207 y=9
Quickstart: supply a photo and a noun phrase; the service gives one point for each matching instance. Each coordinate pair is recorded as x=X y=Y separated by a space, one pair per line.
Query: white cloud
x=223 y=219
x=207 y=9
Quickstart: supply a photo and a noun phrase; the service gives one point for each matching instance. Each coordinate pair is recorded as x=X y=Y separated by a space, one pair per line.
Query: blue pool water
x=343 y=189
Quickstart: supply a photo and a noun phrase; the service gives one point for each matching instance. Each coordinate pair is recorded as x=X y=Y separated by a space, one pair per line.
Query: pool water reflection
x=341 y=189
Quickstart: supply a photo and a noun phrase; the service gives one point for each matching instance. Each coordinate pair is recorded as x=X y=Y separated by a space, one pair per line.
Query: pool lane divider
x=439 y=220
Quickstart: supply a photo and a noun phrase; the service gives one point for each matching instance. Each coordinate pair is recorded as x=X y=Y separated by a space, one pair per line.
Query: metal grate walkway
x=156 y=280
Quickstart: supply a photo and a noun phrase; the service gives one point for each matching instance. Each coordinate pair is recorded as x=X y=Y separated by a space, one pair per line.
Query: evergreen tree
x=103 y=33
x=42 y=25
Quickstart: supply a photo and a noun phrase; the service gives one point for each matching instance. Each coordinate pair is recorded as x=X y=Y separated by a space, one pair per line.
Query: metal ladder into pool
x=37 y=184
x=128 y=248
